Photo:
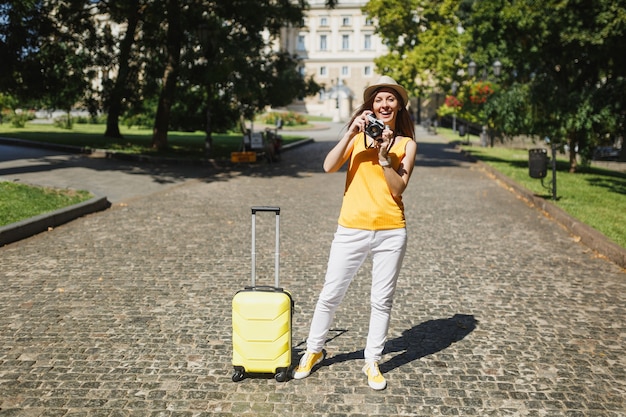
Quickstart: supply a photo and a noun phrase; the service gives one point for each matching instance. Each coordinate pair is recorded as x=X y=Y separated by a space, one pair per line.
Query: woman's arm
x=397 y=180
x=340 y=153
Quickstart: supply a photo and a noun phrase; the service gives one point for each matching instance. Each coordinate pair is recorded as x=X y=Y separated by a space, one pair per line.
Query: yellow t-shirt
x=367 y=201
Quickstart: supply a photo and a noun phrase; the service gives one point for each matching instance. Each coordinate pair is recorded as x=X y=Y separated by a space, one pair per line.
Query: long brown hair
x=404 y=123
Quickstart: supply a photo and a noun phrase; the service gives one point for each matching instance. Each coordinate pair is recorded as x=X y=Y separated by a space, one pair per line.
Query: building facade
x=337 y=48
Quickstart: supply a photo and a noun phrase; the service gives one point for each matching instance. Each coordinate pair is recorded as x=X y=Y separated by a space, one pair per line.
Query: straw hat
x=386 y=81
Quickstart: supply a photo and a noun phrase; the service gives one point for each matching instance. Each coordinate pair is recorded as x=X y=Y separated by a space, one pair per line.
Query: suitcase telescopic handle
x=266 y=208
x=275 y=210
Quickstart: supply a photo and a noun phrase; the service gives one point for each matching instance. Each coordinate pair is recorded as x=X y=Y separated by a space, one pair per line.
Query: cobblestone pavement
x=117 y=180
x=499 y=311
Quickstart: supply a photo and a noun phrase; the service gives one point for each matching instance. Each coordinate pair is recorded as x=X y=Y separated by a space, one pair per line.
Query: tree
x=145 y=51
x=52 y=52
x=231 y=63
x=130 y=12
x=170 y=76
x=21 y=24
x=563 y=61
x=55 y=64
x=570 y=56
x=424 y=40
x=228 y=54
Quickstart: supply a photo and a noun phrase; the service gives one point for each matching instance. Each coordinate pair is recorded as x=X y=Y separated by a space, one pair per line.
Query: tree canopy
x=563 y=72
x=186 y=64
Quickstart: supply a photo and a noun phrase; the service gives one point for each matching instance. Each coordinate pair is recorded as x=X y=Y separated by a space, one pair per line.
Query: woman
x=371 y=220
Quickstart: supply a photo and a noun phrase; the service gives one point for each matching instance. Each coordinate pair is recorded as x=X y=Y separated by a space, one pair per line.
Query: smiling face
x=386 y=106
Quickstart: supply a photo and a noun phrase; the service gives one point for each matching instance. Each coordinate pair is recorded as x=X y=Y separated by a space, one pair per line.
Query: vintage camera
x=374 y=127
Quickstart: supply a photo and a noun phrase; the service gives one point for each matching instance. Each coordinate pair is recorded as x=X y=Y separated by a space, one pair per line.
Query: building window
x=367 y=71
x=369 y=21
x=323 y=42
x=300 y=43
x=345 y=71
x=323 y=71
x=345 y=21
x=323 y=21
x=345 y=42
x=367 y=42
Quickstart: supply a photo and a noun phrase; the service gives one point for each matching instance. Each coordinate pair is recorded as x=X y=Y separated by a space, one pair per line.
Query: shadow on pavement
x=437 y=155
x=417 y=342
x=427 y=338
x=298 y=162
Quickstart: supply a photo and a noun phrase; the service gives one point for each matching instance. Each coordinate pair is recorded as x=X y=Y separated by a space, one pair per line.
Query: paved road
x=126 y=312
x=117 y=180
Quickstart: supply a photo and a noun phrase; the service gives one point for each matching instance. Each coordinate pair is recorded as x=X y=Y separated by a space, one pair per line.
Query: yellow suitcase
x=261 y=319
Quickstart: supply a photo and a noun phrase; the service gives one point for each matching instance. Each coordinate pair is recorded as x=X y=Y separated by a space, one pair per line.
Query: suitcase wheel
x=239 y=374
x=282 y=374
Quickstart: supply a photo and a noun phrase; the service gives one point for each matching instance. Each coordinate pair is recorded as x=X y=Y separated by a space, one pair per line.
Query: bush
x=91 y=120
x=18 y=118
x=145 y=121
x=64 y=122
x=289 y=118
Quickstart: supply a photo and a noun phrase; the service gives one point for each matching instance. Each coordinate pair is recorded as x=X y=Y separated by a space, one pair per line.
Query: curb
x=589 y=236
x=297 y=144
x=45 y=145
x=43 y=222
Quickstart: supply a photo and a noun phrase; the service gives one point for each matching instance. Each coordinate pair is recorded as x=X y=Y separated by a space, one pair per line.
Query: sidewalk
x=499 y=310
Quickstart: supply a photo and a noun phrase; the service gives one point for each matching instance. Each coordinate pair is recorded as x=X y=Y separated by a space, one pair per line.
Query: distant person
x=381 y=158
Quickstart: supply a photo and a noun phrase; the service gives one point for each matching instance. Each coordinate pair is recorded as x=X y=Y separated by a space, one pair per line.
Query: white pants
x=349 y=249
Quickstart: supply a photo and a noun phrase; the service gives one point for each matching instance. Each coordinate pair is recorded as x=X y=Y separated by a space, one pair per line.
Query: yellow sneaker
x=307 y=363
x=375 y=379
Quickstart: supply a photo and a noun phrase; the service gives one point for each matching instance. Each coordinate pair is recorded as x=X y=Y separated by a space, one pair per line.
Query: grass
x=594 y=196
x=136 y=140
x=19 y=201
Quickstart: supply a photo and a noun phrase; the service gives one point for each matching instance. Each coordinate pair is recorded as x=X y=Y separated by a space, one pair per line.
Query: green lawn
x=19 y=201
x=595 y=196
x=135 y=141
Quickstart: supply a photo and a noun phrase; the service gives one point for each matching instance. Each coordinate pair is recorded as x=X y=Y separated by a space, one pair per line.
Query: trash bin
x=483 y=137
x=537 y=163
x=462 y=130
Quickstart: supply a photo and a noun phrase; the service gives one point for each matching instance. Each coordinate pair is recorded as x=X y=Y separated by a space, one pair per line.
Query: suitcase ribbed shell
x=262 y=330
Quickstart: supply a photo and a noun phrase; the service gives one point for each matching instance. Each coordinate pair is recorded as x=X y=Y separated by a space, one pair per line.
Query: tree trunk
x=170 y=76
x=573 y=163
x=208 y=140
x=118 y=93
x=68 y=121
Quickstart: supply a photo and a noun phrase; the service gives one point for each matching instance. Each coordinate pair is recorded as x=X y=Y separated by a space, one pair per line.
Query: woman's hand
x=359 y=123
x=384 y=145
x=342 y=150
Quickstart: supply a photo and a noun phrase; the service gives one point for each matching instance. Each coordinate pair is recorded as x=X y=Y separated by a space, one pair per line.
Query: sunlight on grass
x=594 y=196
x=19 y=201
x=135 y=140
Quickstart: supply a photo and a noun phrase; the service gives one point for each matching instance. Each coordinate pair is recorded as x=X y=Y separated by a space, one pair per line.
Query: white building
x=337 y=47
